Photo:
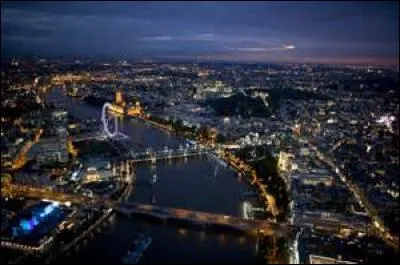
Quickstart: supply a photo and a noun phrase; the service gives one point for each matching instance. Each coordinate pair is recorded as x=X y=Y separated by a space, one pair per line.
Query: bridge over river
x=125 y=149
x=166 y=154
x=169 y=215
x=206 y=219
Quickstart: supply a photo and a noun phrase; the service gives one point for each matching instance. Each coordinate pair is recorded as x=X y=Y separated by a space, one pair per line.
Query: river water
x=196 y=183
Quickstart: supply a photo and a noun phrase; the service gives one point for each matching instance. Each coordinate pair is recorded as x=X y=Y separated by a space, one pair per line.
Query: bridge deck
x=161 y=156
x=205 y=218
x=195 y=217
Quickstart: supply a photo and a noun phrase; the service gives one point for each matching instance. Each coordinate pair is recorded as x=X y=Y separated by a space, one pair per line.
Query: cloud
x=206 y=35
x=156 y=38
x=191 y=37
x=29 y=39
x=249 y=30
x=250 y=49
x=289 y=47
x=258 y=49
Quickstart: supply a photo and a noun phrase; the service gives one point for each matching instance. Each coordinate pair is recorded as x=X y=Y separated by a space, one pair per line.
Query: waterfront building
x=135 y=110
x=92 y=175
x=32 y=230
x=119 y=100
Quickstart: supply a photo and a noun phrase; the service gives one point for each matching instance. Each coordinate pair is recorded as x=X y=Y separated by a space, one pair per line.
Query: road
x=378 y=223
x=21 y=159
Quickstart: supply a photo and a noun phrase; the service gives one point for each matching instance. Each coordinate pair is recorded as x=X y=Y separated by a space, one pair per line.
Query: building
x=214 y=89
x=32 y=229
x=213 y=134
x=119 y=100
x=135 y=110
x=315 y=259
x=330 y=221
x=6 y=160
x=51 y=149
x=284 y=161
x=315 y=179
x=92 y=175
x=59 y=117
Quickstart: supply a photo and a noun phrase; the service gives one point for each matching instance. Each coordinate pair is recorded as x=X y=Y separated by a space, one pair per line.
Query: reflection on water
x=195 y=183
x=184 y=185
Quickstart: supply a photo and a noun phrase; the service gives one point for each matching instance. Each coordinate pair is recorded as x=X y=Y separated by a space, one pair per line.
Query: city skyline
x=315 y=32
x=205 y=132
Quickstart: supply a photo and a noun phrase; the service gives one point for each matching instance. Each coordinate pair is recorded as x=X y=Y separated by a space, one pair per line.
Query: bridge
x=169 y=215
x=206 y=219
x=121 y=141
x=165 y=154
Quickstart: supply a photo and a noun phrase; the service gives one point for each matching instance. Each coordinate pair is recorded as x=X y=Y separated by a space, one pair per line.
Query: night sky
x=326 y=32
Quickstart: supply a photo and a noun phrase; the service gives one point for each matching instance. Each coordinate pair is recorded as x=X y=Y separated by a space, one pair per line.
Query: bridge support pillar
x=267 y=248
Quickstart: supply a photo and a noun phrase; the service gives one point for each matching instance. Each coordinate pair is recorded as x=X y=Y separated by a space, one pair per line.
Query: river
x=196 y=183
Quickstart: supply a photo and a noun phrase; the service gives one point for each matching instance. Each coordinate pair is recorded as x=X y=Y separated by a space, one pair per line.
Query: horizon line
x=160 y=59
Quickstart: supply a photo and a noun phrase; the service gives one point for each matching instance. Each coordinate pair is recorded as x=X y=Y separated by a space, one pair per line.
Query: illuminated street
x=200 y=132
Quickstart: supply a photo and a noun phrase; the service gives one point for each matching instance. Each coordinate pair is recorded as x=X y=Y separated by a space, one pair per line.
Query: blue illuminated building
x=26 y=225
x=35 y=224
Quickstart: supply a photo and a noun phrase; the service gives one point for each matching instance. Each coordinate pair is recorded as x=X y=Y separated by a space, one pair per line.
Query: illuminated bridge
x=165 y=154
x=205 y=219
x=195 y=218
x=121 y=142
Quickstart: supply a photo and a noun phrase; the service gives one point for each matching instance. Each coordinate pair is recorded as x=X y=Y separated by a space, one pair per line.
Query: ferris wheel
x=110 y=122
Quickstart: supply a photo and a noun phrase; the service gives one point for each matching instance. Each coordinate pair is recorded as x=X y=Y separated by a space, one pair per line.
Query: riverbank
x=187 y=184
x=240 y=167
x=56 y=255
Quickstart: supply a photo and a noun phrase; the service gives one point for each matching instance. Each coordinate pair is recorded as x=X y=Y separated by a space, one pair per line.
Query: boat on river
x=136 y=249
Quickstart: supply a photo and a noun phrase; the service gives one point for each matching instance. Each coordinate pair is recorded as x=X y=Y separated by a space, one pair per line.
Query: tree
x=203 y=131
x=5 y=184
x=5 y=179
x=178 y=125
x=220 y=138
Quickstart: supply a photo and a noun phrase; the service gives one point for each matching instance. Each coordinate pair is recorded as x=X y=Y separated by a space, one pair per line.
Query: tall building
x=118 y=98
x=135 y=109
x=284 y=162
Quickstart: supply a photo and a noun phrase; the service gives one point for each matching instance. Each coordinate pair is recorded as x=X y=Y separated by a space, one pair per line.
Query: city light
x=250 y=130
